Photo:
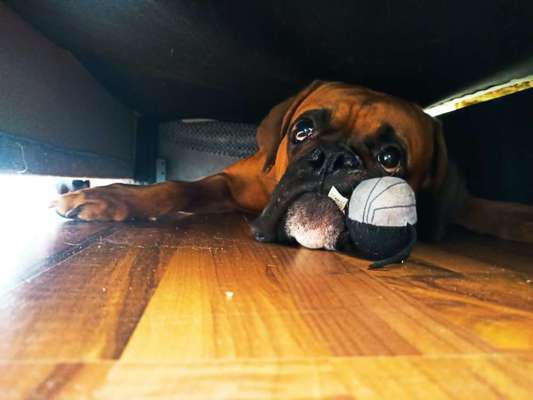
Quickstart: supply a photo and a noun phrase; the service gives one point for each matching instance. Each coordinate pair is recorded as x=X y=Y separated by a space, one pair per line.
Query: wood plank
x=286 y=302
x=194 y=308
x=494 y=302
x=84 y=308
x=410 y=377
x=510 y=255
x=27 y=253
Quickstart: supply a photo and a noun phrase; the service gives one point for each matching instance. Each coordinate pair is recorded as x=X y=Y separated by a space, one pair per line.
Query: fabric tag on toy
x=338 y=198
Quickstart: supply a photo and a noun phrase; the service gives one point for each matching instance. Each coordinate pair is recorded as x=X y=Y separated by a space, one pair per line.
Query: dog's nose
x=333 y=159
x=317 y=157
x=343 y=160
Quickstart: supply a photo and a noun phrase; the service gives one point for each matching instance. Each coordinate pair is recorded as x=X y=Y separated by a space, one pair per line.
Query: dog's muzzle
x=318 y=170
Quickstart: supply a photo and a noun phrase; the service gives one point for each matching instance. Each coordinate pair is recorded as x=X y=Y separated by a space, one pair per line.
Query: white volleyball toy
x=381 y=219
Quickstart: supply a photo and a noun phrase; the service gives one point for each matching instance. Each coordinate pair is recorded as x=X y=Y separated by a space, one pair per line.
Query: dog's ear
x=274 y=126
x=439 y=163
x=443 y=192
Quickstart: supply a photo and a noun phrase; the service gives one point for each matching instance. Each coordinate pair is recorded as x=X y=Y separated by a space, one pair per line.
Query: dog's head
x=335 y=134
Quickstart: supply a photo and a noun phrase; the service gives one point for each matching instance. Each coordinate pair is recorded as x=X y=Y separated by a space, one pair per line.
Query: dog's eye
x=303 y=129
x=389 y=157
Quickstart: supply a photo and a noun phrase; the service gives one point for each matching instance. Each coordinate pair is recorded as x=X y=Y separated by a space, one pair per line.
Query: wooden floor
x=195 y=309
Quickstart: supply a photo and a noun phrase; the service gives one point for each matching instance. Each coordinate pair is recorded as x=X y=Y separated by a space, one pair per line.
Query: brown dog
x=340 y=134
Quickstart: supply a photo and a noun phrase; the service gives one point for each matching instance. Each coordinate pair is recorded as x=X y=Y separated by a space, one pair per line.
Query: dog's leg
x=242 y=186
x=509 y=221
x=119 y=202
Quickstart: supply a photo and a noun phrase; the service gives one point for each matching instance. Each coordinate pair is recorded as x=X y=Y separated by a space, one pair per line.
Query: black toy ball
x=381 y=218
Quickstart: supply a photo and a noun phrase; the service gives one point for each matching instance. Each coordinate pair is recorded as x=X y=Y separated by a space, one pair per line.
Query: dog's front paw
x=98 y=204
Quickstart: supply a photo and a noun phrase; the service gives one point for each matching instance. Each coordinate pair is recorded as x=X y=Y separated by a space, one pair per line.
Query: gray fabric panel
x=47 y=96
x=25 y=156
x=190 y=165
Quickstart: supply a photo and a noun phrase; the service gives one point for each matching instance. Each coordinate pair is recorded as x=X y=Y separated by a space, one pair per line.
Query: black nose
x=334 y=158
x=343 y=160
x=262 y=233
x=317 y=157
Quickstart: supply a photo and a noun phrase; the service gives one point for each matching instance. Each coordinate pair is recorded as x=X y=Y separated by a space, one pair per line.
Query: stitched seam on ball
x=368 y=197
x=389 y=208
x=380 y=193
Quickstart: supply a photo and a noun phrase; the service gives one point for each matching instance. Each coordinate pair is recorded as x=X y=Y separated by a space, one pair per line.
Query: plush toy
x=315 y=221
x=378 y=221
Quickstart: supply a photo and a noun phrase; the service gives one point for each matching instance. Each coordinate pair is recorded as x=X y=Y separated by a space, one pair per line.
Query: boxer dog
x=329 y=134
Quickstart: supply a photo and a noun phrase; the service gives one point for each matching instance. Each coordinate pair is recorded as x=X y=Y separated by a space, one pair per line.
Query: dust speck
x=229 y=295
